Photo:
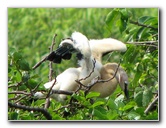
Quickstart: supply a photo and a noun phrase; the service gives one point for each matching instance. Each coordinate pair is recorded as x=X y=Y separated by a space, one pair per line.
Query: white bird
x=100 y=48
x=66 y=80
x=86 y=54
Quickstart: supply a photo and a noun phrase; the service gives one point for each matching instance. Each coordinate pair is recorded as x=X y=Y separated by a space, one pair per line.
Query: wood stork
x=66 y=80
x=86 y=50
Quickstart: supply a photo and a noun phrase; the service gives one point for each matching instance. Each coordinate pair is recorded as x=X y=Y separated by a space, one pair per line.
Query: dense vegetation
x=30 y=34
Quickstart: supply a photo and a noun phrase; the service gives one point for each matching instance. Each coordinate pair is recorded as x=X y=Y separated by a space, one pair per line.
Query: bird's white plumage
x=99 y=47
x=90 y=50
x=66 y=80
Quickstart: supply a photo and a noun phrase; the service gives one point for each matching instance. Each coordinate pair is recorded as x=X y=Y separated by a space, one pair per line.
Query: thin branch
x=51 y=88
x=150 y=106
x=94 y=62
x=39 y=63
x=43 y=111
x=44 y=59
x=19 y=92
x=143 y=25
x=146 y=43
x=79 y=81
x=15 y=85
x=33 y=90
x=50 y=64
x=101 y=81
x=25 y=96
x=62 y=92
x=47 y=104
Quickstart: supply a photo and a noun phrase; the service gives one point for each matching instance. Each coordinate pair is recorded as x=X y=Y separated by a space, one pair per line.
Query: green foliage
x=30 y=33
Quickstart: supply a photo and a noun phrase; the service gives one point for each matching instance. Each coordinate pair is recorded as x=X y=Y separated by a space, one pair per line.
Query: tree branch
x=150 y=106
x=146 y=43
x=44 y=59
x=143 y=25
x=43 y=111
x=94 y=62
x=101 y=81
x=47 y=104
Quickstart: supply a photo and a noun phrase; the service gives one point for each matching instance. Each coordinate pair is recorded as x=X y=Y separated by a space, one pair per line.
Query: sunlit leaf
x=92 y=94
x=98 y=103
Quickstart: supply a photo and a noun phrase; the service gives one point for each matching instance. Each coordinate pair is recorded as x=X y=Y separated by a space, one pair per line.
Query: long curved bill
x=126 y=92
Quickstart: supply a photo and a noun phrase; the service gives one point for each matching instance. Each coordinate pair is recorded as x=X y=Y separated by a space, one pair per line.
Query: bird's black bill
x=63 y=52
x=126 y=90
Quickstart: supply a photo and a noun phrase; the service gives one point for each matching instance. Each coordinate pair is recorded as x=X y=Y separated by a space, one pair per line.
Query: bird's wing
x=102 y=47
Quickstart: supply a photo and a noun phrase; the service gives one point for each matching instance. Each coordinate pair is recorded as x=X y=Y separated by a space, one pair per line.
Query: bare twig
x=43 y=111
x=39 y=63
x=150 y=106
x=15 y=85
x=51 y=89
x=94 y=62
x=101 y=81
x=62 y=92
x=50 y=74
x=25 y=96
x=50 y=64
x=143 y=25
x=19 y=92
x=33 y=90
x=146 y=43
x=44 y=59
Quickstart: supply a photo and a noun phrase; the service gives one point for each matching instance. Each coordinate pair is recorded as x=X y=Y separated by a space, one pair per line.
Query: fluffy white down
x=90 y=50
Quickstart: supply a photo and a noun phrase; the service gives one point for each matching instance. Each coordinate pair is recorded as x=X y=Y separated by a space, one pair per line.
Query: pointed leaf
x=92 y=94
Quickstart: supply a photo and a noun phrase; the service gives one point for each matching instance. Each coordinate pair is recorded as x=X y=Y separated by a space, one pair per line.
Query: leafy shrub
x=28 y=43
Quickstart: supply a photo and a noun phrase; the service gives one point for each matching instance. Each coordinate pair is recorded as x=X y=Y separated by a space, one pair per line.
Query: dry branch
x=101 y=81
x=44 y=59
x=47 y=104
x=143 y=25
x=146 y=43
x=150 y=106
x=94 y=62
x=43 y=111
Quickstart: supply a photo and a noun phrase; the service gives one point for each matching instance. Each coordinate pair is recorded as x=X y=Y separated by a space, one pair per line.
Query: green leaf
x=22 y=87
x=140 y=110
x=18 y=76
x=79 y=98
x=17 y=56
x=13 y=116
x=124 y=14
x=32 y=83
x=143 y=19
x=25 y=76
x=152 y=116
x=112 y=114
x=133 y=116
x=23 y=65
x=98 y=103
x=111 y=18
x=147 y=96
x=138 y=98
x=128 y=106
x=148 y=20
x=97 y=113
x=92 y=94
x=111 y=104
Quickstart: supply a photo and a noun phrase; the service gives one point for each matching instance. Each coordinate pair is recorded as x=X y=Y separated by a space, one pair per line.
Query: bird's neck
x=86 y=63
